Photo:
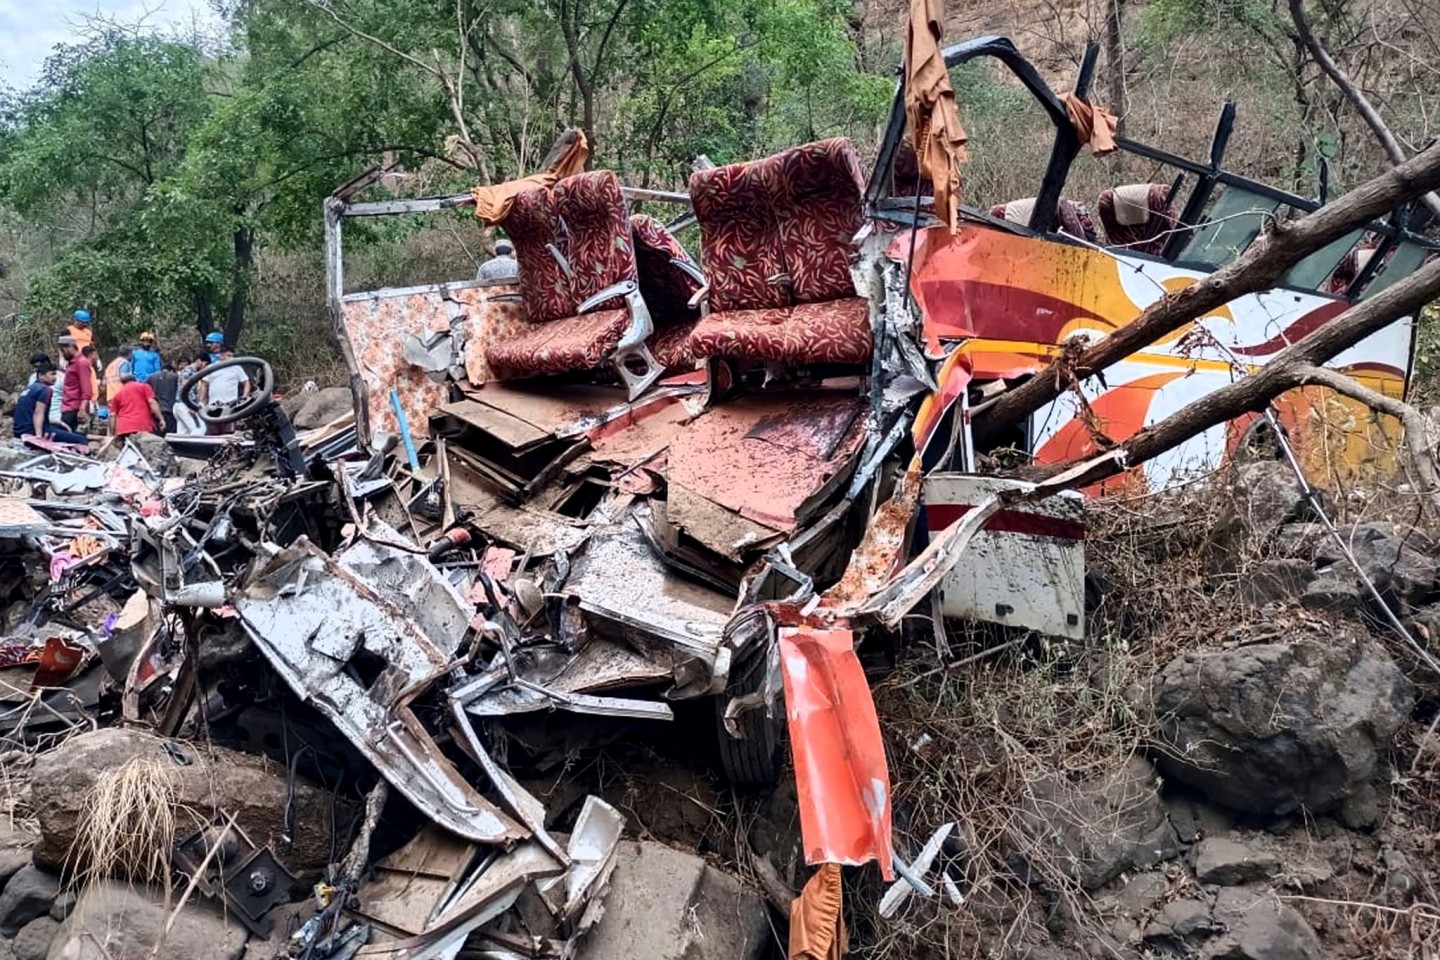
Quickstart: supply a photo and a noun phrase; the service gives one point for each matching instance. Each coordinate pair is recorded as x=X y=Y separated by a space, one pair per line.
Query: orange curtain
x=934 y=122
x=492 y=203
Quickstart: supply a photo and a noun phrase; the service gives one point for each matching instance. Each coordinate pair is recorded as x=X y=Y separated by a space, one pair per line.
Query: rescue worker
x=118 y=372
x=78 y=385
x=501 y=268
x=80 y=330
x=145 y=359
x=223 y=387
x=135 y=409
x=214 y=345
x=166 y=385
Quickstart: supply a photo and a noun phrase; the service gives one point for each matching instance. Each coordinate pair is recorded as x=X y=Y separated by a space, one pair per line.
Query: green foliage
x=157 y=169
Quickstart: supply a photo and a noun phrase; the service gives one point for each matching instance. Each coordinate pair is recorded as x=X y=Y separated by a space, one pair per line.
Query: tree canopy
x=157 y=167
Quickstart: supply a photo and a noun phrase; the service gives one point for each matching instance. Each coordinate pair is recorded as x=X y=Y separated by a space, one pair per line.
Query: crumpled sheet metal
x=841 y=779
x=311 y=617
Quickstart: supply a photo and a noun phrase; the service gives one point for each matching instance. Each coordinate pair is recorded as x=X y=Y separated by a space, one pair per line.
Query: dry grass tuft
x=128 y=826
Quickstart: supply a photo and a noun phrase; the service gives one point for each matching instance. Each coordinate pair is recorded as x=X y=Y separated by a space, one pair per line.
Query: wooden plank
x=505 y=427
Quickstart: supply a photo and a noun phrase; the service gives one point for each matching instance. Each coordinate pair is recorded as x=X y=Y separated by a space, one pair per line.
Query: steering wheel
x=223 y=413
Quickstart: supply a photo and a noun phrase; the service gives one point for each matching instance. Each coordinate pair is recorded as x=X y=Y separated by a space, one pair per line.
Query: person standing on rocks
x=145 y=359
x=78 y=385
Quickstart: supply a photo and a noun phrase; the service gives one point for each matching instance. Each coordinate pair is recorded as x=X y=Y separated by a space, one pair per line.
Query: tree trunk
x=1115 y=62
x=1258 y=268
x=204 y=314
x=1292 y=367
x=241 y=275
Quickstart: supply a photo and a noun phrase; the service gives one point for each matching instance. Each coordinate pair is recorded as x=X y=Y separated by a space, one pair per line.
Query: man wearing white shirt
x=224 y=386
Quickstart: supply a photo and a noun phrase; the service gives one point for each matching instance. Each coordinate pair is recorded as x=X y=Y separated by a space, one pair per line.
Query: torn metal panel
x=357 y=655
x=531 y=698
x=574 y=899
x=619 y=580
x=841 y=779
x=1026 y=566
x=491 y=891
x=772 y=458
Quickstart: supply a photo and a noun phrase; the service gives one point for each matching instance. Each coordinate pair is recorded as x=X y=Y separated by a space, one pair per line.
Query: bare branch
x=1353 y=93
x=1258 y=268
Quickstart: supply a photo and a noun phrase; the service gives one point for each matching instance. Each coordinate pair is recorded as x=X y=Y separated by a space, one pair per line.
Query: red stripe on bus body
x=941 y=515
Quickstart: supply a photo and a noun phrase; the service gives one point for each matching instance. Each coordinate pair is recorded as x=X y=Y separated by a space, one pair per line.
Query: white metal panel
x=1025 y=569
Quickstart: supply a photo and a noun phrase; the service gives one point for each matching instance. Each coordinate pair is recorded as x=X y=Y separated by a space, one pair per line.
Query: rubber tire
x=758 y=759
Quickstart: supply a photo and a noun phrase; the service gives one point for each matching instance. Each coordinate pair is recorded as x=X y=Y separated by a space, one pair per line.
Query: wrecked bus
x=660 y=459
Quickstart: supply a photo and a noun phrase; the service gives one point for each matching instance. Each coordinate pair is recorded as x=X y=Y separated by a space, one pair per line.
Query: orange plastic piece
x=841 y=778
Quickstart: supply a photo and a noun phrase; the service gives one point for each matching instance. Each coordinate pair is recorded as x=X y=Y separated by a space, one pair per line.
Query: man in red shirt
x=134 y=409
x=78 y=386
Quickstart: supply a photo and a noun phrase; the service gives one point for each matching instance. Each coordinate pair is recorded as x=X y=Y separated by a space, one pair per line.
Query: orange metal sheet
x=841 y=778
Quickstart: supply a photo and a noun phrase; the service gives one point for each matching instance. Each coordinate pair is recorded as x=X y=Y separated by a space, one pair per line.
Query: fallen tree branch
x=1259 y=268
x=1414 y=424
x=1353 y=93
x=1290 y=368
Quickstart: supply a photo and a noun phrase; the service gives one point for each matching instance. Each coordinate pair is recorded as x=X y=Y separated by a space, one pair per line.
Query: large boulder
x=1257 y=926
x=665 y=904
x=28 y=894
x=318 y=407
x=207 y=781
x=1262 y=498
x=1274 y=727
x=116 y=921
x=1100 y=828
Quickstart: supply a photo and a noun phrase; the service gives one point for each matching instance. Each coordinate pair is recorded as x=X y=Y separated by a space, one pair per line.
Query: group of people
x=137 y=392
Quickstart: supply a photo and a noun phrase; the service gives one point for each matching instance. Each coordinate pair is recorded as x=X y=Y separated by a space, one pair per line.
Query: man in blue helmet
x=214 y=344
x=80 y=330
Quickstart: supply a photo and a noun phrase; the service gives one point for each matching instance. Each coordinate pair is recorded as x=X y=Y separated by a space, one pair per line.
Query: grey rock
x=1396 y=560
x=1141 y=892
x=1098 y=829
x=115 y=921
x=12 y=859
x=156 y=452
x=1272 y=728
x=1194 y=819
x=6 y=951
x=1363 y=809
x=1335 y=591
x=1259 y=927
x=1275 y=581
x=1226 y=862
x=214 y=779
x=33 y=940
x=1302 y=541
x=1180 y=921
x=310 y=410
x=64 y=905
x=666 y=904
x=1263 y=497
x=28 y=895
